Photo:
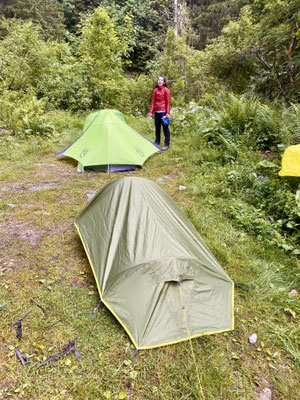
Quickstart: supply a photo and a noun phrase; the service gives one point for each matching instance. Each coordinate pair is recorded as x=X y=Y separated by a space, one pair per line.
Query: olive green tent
x=152 y=269
x=109 y=144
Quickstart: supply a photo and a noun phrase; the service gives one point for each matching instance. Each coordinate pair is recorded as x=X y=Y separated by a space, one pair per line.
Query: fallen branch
x=270 y=68
x=19 y=325
x=40 y=307
x=21 y=356
x=69 y=348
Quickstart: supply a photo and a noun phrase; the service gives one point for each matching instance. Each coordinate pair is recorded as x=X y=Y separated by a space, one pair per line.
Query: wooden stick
x=19 y=325
x=68 y=348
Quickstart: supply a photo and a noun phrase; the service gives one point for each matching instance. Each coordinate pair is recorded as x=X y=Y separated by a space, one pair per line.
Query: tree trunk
x=291 y=69
x=176 y=16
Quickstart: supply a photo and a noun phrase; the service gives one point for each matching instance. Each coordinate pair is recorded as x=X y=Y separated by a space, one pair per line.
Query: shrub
x=24 y=114
x=140 y=93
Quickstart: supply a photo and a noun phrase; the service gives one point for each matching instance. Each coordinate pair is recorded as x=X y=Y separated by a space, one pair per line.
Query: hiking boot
x=165 y=147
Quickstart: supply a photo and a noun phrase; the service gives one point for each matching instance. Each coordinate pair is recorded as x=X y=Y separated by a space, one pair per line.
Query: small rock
x=11 y=205
x=160 y=180
x=265 y=394
x=90 y=195
x=168 y=177
x=17 y=144
x=293 y=292
x=253 y=338
x=180 y=187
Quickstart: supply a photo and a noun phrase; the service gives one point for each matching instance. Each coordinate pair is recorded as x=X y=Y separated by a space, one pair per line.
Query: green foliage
x=228 y=57
x=259 y=51
x=23 y=55
x=267 y=206
x=183 y=69
x=149 y=27
x=225 y=131
x=290 y=126
x=24 y=115
x=140 y=89
x=92 y=79
x=102 y=53
x=245 y=120
x=208 y=19
x=47 y=68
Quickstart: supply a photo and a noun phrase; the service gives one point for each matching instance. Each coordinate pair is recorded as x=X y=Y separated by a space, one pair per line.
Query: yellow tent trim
x=124 y=326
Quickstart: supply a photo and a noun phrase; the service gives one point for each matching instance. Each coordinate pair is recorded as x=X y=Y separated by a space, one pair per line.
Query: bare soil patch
x=16 y=229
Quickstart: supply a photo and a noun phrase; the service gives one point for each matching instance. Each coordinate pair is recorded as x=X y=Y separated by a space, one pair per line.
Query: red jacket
x=161 y=100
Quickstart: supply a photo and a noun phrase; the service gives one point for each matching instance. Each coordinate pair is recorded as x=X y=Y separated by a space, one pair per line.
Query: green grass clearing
x=42 y=259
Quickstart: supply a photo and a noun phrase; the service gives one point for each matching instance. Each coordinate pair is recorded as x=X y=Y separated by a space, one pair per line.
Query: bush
x=24 y=114
x=245 y=121
x=290 y=126
x=245 y=180
x=242 y=119
x=140 y=90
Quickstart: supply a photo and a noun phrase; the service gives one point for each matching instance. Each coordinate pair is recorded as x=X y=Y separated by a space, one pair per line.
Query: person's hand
x=150 y=115
x=167 y=115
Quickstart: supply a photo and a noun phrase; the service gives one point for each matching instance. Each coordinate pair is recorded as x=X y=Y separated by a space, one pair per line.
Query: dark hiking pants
x=158 y=124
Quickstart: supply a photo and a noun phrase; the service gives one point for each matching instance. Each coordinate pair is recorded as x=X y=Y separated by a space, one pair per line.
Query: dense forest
x=105 y=52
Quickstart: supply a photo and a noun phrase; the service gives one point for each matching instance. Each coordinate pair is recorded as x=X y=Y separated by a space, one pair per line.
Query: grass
x=42 y=259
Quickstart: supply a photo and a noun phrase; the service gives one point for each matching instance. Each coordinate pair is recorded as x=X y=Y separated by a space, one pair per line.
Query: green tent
x=152 y=269
x=109 y=144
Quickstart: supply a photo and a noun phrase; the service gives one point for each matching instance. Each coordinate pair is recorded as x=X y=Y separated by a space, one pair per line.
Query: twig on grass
x=21 y=356
x=68 y=348
x=39 y=306
x=19 y=325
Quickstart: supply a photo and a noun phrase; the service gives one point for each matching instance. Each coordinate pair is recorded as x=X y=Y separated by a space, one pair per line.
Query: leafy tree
x=46 y=13
x=22 y=55
x=260 y=54
x=209 y=17
x=276 y=46
x=150 y=23
x=183 y=67
x=47 y=70
x=102 y=54
x=74 y=9
x=228 y=57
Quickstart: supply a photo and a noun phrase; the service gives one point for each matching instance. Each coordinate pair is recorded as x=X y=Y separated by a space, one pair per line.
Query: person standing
x=160 y=106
